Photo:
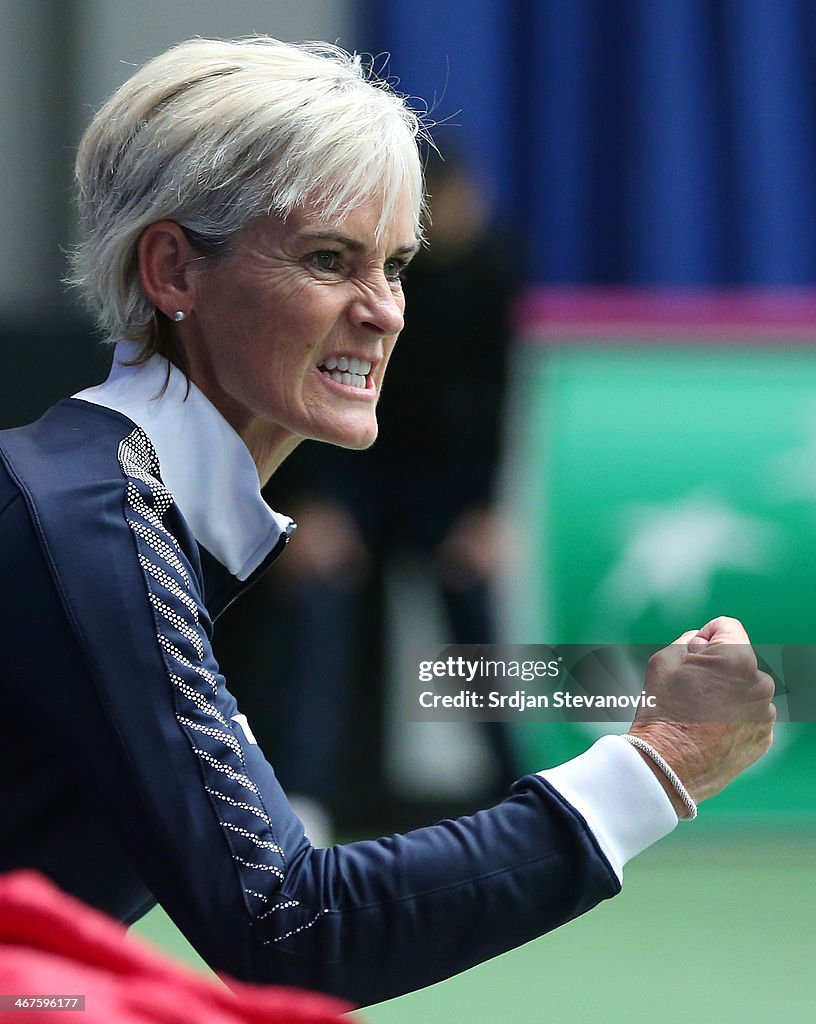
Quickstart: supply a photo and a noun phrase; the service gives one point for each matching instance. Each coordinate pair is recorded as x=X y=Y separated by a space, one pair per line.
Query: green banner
x=654 y=488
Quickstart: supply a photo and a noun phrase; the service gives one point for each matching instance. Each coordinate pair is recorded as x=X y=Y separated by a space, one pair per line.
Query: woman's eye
x=394 y=269
x=326 y=260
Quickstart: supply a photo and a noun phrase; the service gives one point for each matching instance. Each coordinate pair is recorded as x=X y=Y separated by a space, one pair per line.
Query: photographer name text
x=520 y=700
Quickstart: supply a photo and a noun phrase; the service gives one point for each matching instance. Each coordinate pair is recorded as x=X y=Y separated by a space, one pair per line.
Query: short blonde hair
x=212 y=134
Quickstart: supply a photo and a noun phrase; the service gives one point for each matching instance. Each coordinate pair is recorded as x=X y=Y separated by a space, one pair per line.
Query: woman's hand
x=714 y=714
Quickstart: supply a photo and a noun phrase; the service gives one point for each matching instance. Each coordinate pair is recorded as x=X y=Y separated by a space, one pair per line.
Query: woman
x=249 y=209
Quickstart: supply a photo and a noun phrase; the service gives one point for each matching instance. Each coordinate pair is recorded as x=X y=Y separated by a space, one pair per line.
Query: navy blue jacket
x=126 y=777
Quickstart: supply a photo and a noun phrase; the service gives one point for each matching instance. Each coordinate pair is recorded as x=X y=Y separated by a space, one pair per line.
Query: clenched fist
x=713 y=713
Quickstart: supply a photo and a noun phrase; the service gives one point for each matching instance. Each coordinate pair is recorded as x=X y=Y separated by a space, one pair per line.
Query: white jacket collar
x=204 y=462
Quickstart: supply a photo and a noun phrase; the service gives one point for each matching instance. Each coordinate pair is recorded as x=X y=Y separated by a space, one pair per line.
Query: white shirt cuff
x=618 y=796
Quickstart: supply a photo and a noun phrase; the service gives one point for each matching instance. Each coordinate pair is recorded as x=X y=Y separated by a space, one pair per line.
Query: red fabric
x=51 y=944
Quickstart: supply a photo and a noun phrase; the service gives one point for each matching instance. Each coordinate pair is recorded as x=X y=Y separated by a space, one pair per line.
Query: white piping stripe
x=226 y=737
x=260 y=843
x=162 y=578
x=178 y=622
x=138 y=461
x=199 y=700
x=240 y=804
x=287 y=905
x=175 y=653
x=260 y=867
x=219 y=766
x=294 y=931
x=161 y=548
x=141 y=508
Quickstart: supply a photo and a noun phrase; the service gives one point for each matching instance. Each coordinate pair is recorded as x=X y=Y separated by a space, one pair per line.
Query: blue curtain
x=651 y=142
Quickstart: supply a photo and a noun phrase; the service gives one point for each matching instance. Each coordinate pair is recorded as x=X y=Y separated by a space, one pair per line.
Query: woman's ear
x=166 y=261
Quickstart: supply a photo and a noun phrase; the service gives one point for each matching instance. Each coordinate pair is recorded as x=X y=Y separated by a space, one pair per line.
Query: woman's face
x=289 y=336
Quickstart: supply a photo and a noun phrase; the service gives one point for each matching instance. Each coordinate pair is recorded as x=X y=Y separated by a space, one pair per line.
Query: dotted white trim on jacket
x=183 y=644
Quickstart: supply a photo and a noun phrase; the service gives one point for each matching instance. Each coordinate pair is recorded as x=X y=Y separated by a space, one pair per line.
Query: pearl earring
x=179 y=315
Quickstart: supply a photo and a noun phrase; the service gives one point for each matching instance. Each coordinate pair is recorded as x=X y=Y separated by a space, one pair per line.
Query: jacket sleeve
x=134 y=699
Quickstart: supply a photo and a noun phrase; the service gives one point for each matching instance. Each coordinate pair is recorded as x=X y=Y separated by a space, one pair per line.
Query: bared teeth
x=347 y=364
x=353 y=380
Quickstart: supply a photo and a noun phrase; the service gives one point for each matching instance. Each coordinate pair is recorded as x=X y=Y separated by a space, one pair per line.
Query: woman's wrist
x=681 y=799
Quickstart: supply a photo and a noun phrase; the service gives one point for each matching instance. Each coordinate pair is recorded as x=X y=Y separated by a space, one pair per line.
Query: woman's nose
x=380 y=307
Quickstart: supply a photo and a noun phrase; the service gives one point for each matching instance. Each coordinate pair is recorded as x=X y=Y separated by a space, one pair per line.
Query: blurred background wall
x=664 y=142
x=59 y=60
x=640 y=141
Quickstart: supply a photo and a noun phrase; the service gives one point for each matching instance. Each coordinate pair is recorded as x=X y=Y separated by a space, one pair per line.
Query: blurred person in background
x=250 y=207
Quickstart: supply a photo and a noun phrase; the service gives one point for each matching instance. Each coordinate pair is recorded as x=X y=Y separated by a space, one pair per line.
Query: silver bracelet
x=668 y=771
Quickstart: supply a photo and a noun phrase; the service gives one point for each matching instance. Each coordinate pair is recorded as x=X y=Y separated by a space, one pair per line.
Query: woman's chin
x=356 y=437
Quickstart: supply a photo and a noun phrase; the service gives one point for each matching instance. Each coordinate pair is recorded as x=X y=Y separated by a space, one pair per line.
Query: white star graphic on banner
x=673 y=551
